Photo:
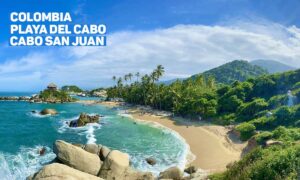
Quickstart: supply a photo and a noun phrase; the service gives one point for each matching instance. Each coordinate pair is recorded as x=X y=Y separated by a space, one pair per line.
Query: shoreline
x=210 y=144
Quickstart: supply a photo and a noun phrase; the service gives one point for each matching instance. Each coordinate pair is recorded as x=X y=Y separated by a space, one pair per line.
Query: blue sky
x=186 y=36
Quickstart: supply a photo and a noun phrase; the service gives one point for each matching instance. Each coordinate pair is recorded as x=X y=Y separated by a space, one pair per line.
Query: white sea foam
x=87 y=130
x=36 y=114
x=26 y=162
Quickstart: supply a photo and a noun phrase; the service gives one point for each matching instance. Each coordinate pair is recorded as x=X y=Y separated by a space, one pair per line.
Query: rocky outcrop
x=272 y=143
x=172 y=173
x=14 y=98
x=48 y=112
x=77 y=158
x=96 y=162
x=252 y=143
x=84 y=119
x=190 y=170
x=58 y=171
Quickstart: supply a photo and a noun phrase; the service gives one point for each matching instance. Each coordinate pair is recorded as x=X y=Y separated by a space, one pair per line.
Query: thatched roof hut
x=52 y=86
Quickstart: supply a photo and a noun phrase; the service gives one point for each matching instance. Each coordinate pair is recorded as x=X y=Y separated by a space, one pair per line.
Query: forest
x=261 y=107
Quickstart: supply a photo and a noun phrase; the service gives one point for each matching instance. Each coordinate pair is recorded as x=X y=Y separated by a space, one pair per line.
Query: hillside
x=71 y=89
x=237 y=70
x=272 y=66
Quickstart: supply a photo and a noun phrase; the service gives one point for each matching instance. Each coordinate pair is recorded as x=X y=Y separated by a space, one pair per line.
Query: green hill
x=272 y=66
x=237 y=70
x=71 y=88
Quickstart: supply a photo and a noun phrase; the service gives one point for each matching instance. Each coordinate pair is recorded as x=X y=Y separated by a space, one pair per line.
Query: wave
x=26 y=162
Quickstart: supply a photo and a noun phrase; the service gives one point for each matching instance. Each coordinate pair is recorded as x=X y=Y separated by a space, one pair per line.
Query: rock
x=104 y=153
x=273 y=142
x=190 y=170
x=172 y=173
x=151 y=161
x=48 y=112
x=58 y=171
x=132 y=174
x=92 y=148
x=84 y=119
x=42 y=151
x=252 y=143
x=115 y=165
x=77 y=158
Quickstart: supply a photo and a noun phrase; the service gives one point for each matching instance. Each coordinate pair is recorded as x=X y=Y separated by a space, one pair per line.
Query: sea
x=24 y=133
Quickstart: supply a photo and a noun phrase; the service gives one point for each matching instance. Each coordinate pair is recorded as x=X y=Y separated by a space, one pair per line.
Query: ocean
x=23 y=134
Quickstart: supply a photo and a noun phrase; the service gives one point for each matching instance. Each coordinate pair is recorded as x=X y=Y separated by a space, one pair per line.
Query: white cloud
x=183 y=50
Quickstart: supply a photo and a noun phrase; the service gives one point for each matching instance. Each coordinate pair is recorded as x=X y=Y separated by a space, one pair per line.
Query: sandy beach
x=210 y=144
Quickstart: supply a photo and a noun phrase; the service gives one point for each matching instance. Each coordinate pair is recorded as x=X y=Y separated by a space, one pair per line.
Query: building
x=52 y=87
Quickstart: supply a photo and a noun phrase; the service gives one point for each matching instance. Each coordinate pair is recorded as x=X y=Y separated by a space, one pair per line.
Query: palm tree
x=137 y=76
x=160 y=70
x=114 y=78
x=130 y=76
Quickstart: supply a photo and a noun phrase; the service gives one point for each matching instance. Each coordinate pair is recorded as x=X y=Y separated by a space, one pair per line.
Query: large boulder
x=77 y=158
x=84 y=119
x=172 y=173
x=48 y=112
x=93 y=148
x=58 y=171
x=104 y=153
x=115 y=165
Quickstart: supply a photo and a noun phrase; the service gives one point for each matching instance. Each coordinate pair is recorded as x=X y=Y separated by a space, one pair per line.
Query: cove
x=22 y=133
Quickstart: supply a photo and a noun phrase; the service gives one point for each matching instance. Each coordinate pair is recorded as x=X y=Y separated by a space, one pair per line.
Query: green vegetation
x=71 y=89
x=191 y=98
x=53 y=96
x=257 y=107
x=237 y=70
x=247 y=130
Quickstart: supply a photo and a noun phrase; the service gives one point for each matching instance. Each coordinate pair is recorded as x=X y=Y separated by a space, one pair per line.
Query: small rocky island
x=98 y=162
x=49 y=95
x=84 y=119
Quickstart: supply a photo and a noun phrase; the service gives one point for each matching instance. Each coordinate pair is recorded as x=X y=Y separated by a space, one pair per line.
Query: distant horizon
x=91 y=88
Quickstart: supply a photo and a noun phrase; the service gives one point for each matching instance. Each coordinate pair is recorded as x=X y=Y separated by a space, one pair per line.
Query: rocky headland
x=92 y=161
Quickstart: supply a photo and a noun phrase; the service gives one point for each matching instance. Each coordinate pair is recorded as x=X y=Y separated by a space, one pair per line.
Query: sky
x=185 y=36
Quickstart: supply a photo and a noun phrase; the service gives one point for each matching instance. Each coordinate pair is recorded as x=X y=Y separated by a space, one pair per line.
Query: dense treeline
x=189 y=98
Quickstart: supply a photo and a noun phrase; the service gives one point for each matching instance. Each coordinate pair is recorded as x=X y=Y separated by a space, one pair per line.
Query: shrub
x=263 y=137
x=246 y=129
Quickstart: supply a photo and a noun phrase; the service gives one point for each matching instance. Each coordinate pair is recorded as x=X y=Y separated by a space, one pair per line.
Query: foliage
x=55 y=96
x=246 y=129
x=72 y=88
x=269 y=163
x=237 y=70
x=192 y=98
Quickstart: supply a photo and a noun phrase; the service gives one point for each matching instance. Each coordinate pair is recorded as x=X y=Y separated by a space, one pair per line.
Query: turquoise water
x=23 y=133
